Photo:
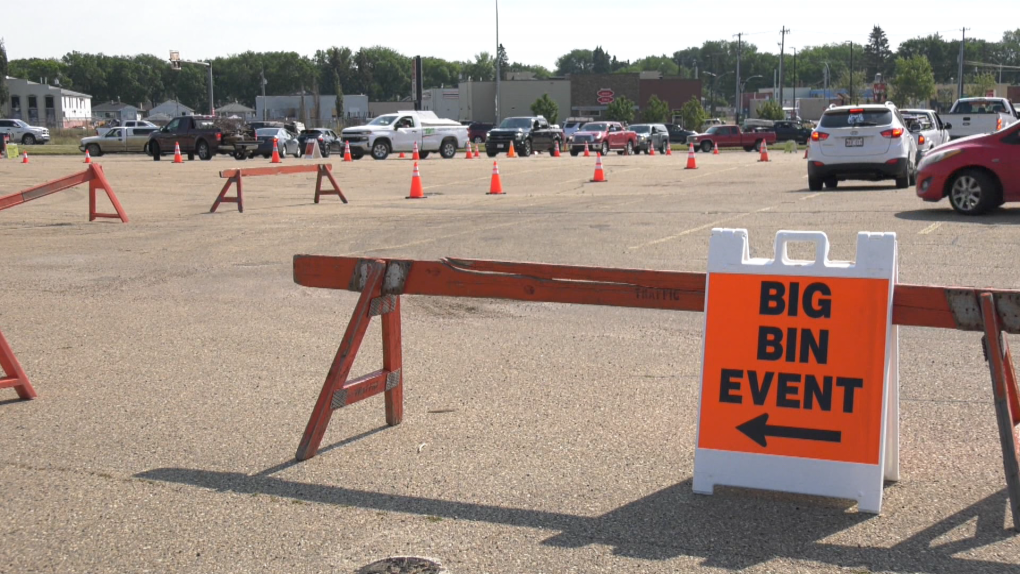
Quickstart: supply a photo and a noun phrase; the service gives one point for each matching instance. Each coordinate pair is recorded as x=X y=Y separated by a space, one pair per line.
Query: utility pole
x=738 y=104
x=175 y=63
x=782 y=47
x=963 y=41
x=498 y=73
x=262 y=75
x=795 y=80
x=851 y=100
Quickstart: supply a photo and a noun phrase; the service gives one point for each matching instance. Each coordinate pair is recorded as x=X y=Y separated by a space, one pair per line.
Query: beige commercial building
x=478 y=99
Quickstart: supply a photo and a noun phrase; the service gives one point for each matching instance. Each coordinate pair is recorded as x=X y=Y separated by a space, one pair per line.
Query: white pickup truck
x=399 y=132
x=974 y=116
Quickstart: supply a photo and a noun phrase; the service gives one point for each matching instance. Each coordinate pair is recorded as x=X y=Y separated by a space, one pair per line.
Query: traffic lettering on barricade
x=799 y=387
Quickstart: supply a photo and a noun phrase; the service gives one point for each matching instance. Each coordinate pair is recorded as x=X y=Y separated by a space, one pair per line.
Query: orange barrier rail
x=235 y=176
x=11 y=373
x=93 y=176
x=382 y=282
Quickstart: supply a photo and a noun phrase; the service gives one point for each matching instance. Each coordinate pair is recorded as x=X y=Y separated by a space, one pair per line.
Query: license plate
x=500 y=146
x=854 y=142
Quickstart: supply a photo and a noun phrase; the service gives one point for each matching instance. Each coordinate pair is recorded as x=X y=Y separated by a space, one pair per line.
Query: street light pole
x=498 y=73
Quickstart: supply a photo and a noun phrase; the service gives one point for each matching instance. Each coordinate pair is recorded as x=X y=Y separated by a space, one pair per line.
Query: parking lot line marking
x=810 y=196
x=930 y=228
x=701 y=227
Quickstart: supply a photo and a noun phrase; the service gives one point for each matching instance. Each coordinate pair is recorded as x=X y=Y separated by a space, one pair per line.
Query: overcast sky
x=533 y=31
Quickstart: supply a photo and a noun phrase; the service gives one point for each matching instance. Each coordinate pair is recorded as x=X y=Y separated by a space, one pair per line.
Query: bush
x=771 y=110
x=620 y=110
x=546 y=106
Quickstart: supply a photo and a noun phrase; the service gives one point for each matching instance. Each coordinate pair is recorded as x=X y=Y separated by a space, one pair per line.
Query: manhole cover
x=404 y=565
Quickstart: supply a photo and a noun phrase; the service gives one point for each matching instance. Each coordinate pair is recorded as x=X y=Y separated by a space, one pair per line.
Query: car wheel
x=757 y=145
x=239 y=155
x=448 y=149
x=202 y=150
x=814 y=183
x=630 y=148
x=574 y=152
x=903 y=182
x=154 y=150
x=326 y=151
x=191 y=156
x=267 y=155
x=381 y=150
x=665 y=148
x=973 y=192
x=94 y=150
x=29 y=139
x=421 y=154
x=491 y=152
x=605 y=148
x=525 y=149
x=706 y=146
x=831 y=183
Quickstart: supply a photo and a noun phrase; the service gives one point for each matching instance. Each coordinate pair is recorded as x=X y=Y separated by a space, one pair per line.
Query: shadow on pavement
x=945 y=213
x=734 y=529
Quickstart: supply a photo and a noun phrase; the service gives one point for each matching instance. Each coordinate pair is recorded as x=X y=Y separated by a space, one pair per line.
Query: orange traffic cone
x=402 y=156
x=177 y=153
x=651 y=148
x=467 y=150
x=600 y=177
x=715 y=150
x=416 y=190
x=415 y=155
x=806 y=148
x=764 y=152
x=347 y=151
x=512 y=152
x=556 y=149
x=476 y=151
x=586 y=154
x=88 y=158
x=496 y=187
x=691 y=162
x=276 y=153
x=24 y=157
x=669 y=149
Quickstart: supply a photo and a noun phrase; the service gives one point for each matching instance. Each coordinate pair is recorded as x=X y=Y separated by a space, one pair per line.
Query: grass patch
x=49 y=149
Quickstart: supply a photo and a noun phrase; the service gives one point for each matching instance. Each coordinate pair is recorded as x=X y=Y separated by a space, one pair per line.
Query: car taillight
x=219 y=137
x=819 y=136
x=893 y=133
x=920 y=139
x=998 y=124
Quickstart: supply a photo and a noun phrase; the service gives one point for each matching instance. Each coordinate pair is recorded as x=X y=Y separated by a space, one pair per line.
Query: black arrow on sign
x=758 y=428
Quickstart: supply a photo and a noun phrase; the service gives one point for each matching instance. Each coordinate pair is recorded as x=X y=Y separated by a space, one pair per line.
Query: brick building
x=590 y=94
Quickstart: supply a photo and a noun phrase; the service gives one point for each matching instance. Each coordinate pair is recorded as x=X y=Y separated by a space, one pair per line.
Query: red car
x=977 y=173
x=731 y=136
x=602 y=137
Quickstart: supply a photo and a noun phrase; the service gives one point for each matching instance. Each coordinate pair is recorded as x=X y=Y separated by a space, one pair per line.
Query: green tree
x=914 y=81
x=771 y=110
x=601 y=62
x=981 y=84
x=540 y=72
x=846 y=80
x=940 y=53
x=339 y=91
x=620 y=110
x=575 y=62
x=693 y=115
x=483 y=69
x=877 y=54
x=4 y=93
x=663 y=64
x=546 y=106
x=503 y=61
x=656 y=110
x=39 y=70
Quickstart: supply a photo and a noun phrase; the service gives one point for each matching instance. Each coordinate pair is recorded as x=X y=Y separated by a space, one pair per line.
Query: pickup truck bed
x=973 y=116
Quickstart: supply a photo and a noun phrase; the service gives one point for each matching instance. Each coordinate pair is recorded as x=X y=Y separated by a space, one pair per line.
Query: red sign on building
x=606 y=96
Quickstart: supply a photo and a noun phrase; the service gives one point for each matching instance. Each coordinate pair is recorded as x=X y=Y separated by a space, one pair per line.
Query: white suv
x=869 y=142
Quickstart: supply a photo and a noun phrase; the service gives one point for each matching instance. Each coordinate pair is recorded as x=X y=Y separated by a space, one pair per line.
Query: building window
x=49 y=102
x=16 y=103
x=32 y=102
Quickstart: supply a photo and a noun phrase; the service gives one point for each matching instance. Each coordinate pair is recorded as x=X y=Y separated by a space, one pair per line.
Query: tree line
x=383 y=74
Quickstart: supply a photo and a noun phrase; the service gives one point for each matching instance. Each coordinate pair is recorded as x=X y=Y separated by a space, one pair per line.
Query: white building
x=171 y=108
x=289 y=107
x=236 y=109
x=51 y=106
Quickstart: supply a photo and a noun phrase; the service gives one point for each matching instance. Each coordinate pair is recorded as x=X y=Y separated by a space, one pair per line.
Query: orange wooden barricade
x=235 y=176
x=93 y=176
x=382 y=282
x=11 y=373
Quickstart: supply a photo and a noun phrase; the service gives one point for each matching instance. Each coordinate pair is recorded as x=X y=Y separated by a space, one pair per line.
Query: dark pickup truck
x=202 y=136
x=526 y=134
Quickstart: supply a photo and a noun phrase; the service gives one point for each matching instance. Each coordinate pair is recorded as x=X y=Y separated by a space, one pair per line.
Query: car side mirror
x=947 y=126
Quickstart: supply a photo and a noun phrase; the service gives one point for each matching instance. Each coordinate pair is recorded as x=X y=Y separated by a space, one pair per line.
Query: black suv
x=787 y=130
x=651 y=136
x=525 y=134
x=678 y=134
x=328 y=140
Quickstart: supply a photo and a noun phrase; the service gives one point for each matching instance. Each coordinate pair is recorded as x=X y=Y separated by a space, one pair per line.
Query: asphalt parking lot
x=177 y=363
